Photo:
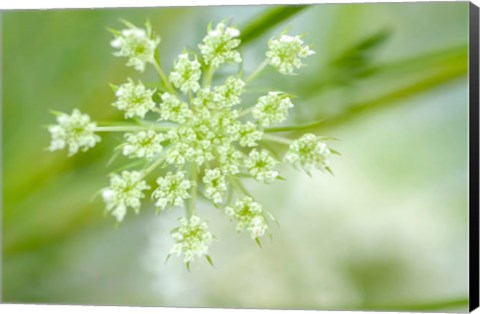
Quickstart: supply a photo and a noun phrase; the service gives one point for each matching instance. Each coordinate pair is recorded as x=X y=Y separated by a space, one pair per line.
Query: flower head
x=249 y=216
x=143 y=144
x=228 y=94
x=192 y=238
x=174 y=109
x=308 y=152
x=134 y=99
x=137 y=44
x=285 y=53
x=172 y=190
x=248 y=134
x=261 y=165
x=219 y=44
x=75 y=131
x=272 y=108
x=125 y=191
x=215 y=185
x=186 y=74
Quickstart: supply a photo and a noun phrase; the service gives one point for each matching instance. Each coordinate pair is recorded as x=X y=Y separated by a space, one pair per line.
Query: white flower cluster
x=186 y=74
x=249 y=216
x=192 y=238
x=205 y=139
x=143 y=144
x=75 y=131
x=134 y=99
x=219 y=46
x=309 y=152
x=285 y=53
x=125 y=191
x=137 y=44
x=261 y=165
x=172 y=190
x=272 y=109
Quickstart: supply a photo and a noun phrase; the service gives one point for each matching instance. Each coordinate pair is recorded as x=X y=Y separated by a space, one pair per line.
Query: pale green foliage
x=134 y=99
x=219 y=46
x=74 y=131
x=204 y=134
x=249 y=216
x=137 y=44
x=125 y=191
x=285 y=53
x=309 y=152
x=192 y=238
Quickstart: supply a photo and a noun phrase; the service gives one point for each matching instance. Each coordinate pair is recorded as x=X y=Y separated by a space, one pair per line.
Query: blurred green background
x=388 y=231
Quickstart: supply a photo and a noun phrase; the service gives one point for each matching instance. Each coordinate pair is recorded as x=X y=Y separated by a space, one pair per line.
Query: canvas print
x=283 y=157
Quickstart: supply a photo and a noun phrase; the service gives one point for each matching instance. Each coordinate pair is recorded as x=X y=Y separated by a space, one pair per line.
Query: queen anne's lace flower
x=125 y=191
x=309 y=152
x=173 y=109
x=249 y=216
x=134 y=99
x=272 y=109
x=143 y=144
x=285 y=53
x=137 y=44
x=219 y=44
x=192 y=239
x=186 y=74
x=172 y=190
x=261 y=165
x=75 y=131
x=215 y=185
x=204 y=129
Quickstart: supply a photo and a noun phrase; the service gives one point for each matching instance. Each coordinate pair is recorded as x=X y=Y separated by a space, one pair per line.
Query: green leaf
x=187 y=265
x=257 y=240
x=268 y=20
x=167 y=258
x=209 y=260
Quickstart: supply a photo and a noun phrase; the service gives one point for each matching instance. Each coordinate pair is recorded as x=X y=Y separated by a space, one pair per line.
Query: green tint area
x=387 y=232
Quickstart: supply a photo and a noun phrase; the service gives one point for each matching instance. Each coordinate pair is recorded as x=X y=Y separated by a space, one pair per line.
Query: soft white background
x=28 y=4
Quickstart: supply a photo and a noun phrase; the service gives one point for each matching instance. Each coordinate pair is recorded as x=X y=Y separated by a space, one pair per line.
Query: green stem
x=120 y=128
x=294 y=127
x=277 y=139
x=208 y=76
x=191 y=203
x=164 y=78
x=154 y=165
x=259 y=70
x=236 y=183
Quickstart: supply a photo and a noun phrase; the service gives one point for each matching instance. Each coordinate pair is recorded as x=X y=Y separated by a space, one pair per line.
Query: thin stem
x=154 y=165
x=259 y=70
x=207 y=80
x=239 y=186
x=164 y=78
x=294 y=127
x=191 y=203
x=120 y=128
x=245 y=111
x=277 y=139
